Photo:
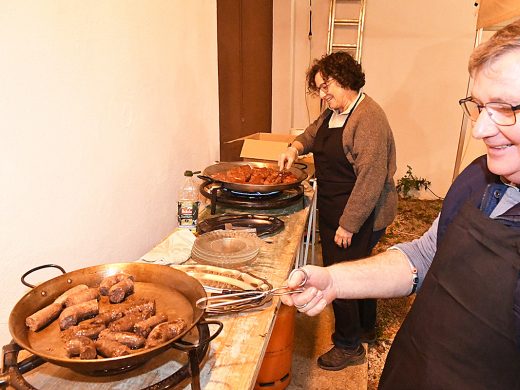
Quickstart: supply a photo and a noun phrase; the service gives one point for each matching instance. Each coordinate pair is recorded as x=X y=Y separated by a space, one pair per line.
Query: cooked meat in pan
x=129 y=339
x=110 y=348
x=244 y=174
x=82 y=296
x=43 y=317
x=109 y=281
x=126 y=323
x=141 y=306
x=119 y=291
x=143 y=328
x=164 y=332
x=74 y=314
x=87 y=328
x=74 y=290
x=108 y=316
x=81 y=346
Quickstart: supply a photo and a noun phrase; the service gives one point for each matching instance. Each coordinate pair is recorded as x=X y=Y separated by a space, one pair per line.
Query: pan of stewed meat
x=107 y=317
x=250 y=176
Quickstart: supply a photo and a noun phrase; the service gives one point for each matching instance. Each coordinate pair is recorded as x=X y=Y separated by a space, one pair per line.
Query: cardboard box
x=267 y=147
x=264 y=146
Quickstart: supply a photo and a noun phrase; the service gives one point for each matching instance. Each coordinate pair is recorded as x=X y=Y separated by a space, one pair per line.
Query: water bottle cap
x=188 y=173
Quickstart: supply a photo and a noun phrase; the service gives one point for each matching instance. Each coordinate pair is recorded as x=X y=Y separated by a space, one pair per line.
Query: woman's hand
x=287 y=158
x=343 y=238
x=319 y=290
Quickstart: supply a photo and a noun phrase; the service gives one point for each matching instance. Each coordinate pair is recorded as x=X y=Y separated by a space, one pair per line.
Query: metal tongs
x=249 y=298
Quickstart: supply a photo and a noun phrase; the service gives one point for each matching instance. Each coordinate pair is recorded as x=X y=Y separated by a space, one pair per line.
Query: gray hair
x=502 y=42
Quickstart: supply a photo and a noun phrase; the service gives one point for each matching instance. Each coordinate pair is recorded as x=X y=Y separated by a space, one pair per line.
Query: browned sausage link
x=107 y=317
x=82 y=346
x=129 y=339
x=126 y=324
x=165 y=332
x=119 y=291
x=82 y=296
x=142 y=306
x=110 y=348
x=87 y=328
x=143 y=328
x=74 y=290
x=43 y=317
x=73 y=314
x=109 y=281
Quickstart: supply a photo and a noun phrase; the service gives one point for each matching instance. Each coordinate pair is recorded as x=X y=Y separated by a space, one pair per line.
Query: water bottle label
x=188 y=213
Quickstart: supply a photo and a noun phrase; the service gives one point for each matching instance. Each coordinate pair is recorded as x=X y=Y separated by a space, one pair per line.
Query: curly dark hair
x=339 y=66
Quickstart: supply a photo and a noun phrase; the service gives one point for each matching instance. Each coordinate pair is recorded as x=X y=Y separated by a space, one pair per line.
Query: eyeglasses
x=503 y=114
x=323 y=87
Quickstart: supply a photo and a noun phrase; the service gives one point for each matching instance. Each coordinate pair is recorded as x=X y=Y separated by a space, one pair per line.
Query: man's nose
x=484 y=126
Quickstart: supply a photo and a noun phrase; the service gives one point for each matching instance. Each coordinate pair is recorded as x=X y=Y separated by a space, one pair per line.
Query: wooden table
x=235 y=356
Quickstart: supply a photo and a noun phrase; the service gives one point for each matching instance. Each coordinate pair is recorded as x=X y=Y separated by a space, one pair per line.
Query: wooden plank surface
x=235 y=356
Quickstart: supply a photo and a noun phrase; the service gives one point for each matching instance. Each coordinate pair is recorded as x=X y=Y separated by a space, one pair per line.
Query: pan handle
x=36 y=269
x=208 y=178
x=301 y=165
x=187 y=346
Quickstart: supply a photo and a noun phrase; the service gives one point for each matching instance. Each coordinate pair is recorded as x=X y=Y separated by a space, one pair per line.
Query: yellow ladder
x=346 y=33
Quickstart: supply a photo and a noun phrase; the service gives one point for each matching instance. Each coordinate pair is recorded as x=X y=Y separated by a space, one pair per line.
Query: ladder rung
x=346 y=22
x=344 y=46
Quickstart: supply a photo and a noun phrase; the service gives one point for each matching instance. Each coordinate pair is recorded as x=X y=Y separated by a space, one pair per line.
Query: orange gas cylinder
x=275 y=372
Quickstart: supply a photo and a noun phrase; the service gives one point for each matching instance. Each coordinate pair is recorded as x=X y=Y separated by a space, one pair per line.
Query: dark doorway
x=245 y=41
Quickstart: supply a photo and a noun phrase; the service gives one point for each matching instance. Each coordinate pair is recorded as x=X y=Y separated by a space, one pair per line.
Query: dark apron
x=460 y=331
x=336 y=179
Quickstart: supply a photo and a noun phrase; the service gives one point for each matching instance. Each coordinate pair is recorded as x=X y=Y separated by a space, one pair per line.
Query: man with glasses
x=463 y=330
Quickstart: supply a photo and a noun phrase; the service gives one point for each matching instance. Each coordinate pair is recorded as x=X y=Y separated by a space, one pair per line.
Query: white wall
x=103 y=105
x=415 y=59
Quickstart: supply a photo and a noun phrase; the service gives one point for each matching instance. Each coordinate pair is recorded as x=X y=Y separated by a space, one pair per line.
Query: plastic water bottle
x=188 y=203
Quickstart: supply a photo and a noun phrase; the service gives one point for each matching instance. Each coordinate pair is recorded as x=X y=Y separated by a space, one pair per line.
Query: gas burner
x=250 y=200
x=253 y=195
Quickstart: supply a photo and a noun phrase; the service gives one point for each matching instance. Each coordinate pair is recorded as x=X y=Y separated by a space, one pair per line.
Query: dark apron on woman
x=460 y=331
x=336 y=179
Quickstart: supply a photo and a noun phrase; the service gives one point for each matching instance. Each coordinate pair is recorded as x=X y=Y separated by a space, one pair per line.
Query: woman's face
x=334 y=95
x=500 y=82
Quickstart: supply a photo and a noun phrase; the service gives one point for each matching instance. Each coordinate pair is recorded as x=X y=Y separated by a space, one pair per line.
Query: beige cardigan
x=369 y=146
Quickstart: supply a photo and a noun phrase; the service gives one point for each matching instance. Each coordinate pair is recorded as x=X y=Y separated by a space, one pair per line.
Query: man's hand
x=343 y=238
x=319 y=290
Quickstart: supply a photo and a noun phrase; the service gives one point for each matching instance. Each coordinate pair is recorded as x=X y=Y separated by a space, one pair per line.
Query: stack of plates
x=226 y=248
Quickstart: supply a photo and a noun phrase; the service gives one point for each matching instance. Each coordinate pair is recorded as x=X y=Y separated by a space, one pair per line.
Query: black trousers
x=352 y=316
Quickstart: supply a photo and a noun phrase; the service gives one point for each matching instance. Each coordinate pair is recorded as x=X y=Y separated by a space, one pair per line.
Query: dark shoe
x=368 y=336
x=339 y=358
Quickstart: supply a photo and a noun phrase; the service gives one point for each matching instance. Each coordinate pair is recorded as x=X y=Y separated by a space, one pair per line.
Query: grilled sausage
x=82 y=346
x=164 y=332
x=74 y=290
x=43 y=317
x=107 y=317
x=129 y=339
x=82 y=296
x=119 y=291
x=73 y=314
x=141 y=306
x=110 y=348
x=87 y=328
x=109 y=281
x=126 y=323
x=143 y=328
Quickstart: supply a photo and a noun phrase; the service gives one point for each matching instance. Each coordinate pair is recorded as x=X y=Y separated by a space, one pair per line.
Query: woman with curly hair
x=354 y=154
